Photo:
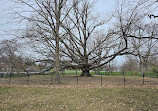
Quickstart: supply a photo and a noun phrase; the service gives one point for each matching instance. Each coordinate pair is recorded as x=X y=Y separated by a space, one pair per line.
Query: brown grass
x=77 y=98
x=88 y=95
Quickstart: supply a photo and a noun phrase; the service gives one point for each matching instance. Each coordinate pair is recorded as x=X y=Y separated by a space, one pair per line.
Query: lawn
x=88 y=95
x=78 y=98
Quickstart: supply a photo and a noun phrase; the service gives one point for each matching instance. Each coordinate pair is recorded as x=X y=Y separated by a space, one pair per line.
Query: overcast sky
x=102 y=6
x=5 y=7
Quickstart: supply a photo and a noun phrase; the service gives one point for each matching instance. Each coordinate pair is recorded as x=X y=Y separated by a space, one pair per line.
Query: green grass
x=72 y=72
x=148 y=74
x=69 y=72
x=22 y=98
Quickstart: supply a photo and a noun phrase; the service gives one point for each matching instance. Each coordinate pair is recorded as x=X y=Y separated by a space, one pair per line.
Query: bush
x=154 y=69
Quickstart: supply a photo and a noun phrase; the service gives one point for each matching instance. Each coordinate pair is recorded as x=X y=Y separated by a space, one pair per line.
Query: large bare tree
x=70 y=30
x=45 y=18
x=85 y=45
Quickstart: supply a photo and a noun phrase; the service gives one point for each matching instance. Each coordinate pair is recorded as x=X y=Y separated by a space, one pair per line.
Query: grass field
x=88 y=95
x=78 y=98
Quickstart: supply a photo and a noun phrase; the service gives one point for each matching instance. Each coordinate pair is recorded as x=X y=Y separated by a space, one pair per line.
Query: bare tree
x=144 y=49
x=8 y=55
x=90 y=48
x=64 y=30
x=131 y=14
x=69 y=30
x=130 y=65
x=142 y=36
x=45 y=18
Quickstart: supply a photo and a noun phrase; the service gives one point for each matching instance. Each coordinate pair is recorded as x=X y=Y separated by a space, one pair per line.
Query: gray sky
x=102 y=6
x=5 y=7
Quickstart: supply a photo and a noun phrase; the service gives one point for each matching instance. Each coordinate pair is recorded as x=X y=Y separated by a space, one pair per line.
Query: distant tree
x=8 y=54
x=146 y=49
x=142 y=37
x=28 y=61
x=129 y=65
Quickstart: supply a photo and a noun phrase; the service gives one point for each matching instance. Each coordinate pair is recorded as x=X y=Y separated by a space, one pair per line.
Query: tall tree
x=141 y=35
x=45 y=18
x=90 y=48
x=69 y=30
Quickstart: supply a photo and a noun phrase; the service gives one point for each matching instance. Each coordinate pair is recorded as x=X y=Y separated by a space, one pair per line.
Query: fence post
x=101 y=80
x=124 y=80
x=77 y=76
x=143 y=77
x=95 y=71
x=51 y=78
x=28 y=78
x=10 y=77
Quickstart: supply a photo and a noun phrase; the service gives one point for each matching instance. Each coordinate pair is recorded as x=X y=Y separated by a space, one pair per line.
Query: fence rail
x=73 y=78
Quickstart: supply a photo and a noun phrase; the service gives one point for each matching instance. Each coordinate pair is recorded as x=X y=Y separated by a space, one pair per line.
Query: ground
x=88 y=95
x=78 y=98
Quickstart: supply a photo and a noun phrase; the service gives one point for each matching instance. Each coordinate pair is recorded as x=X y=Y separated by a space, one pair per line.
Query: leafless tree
x=44 y=25
x=8 y=55
x=64 y=30
x=131 y=14
x=129 y=65
x=69 y=30
x=90 y=48
x=144 y=49
x=142 y=36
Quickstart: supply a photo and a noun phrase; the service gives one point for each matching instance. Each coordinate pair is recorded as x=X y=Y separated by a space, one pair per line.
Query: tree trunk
x=85 y=73
x=57 y=61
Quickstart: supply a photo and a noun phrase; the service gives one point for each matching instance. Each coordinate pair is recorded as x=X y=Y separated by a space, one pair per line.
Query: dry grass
x=88 y=95
x=78 y=98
